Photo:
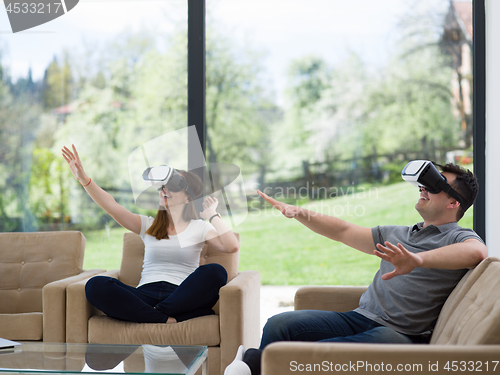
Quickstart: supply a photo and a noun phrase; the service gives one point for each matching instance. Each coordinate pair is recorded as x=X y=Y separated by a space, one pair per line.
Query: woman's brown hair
x=159 y=228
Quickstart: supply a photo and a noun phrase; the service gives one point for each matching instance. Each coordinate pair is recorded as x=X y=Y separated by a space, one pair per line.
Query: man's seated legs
x=328 y=326
x=324 y=326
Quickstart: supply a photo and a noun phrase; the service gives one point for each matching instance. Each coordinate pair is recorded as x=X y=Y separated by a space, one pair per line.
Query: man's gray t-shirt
x=411 y=303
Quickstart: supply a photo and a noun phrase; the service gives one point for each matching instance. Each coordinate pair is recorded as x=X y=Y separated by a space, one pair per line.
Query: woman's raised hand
x=210 y=207
x=122 y=216
x=75 y=164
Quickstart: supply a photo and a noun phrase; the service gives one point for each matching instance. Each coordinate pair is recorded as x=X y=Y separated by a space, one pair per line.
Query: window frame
x=479 y=112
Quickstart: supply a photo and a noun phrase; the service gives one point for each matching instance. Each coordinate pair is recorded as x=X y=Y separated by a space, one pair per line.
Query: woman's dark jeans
x=156 y=302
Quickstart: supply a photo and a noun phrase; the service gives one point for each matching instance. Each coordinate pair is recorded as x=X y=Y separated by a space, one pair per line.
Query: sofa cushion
x=132 y=259
x=29 y=261
x=228 y=260
x=198 y=331
x=471 y=315
x=24 y=326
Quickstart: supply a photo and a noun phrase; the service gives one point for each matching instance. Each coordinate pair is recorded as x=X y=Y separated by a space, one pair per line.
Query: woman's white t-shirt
x=172 y=259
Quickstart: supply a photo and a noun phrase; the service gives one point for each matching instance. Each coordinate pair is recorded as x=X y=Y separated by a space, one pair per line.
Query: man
x=419 y=268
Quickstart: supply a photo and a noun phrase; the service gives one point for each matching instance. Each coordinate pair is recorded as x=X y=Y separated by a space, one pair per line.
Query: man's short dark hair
x=465 y=184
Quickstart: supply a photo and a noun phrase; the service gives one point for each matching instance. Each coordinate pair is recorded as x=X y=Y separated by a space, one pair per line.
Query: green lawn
x=287 y=253
x=103 y=248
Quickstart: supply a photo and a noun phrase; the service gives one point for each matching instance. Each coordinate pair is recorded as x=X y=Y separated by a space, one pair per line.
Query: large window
x=106 y=76
x=319 y=104
x=347 y=90
x=322 y=105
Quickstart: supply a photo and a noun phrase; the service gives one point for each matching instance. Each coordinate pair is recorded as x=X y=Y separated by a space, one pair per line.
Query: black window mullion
x=479 y=105
x=196 y=76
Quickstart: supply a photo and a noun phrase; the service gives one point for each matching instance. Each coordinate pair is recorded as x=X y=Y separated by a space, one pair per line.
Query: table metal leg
x=204 y=367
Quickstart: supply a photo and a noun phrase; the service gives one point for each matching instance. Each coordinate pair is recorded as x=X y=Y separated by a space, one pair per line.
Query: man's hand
x=403 y=261
x=286 y=209
x=331 y=227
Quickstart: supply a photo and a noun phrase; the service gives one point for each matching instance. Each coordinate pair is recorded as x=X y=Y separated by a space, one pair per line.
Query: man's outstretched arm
x=467 y=254
x=331 y=227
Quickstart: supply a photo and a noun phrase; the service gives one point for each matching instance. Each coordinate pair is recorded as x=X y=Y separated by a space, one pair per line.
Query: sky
x=288 y=29
x=90 y=20
x=281 y=29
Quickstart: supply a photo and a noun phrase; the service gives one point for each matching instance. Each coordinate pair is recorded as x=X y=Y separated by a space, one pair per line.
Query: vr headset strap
x=453 y=193
x=190 y=192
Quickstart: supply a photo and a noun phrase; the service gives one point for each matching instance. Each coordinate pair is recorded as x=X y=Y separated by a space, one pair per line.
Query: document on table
x=7 y=344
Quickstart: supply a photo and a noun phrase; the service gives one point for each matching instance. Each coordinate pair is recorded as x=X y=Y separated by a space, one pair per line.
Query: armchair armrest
x=328 y=298
x=239 y=314
x=54 y=306
x=79 y=310
x=320 y=358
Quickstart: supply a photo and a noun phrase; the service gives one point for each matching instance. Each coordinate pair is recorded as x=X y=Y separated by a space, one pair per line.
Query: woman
x=173 y=287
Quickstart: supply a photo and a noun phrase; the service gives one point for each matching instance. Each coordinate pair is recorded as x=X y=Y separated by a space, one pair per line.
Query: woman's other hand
x=210 y=207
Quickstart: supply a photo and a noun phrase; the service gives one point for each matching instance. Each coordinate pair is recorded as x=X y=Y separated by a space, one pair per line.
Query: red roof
x=464 y=11
x=63 y=110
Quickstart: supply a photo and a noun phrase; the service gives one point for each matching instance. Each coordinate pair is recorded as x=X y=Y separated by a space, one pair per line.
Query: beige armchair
x=466 y=338
x=236 y=321
x=35 y=269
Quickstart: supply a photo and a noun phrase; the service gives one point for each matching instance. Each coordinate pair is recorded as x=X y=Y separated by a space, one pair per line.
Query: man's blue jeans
x=328 y=326
x=323 y=326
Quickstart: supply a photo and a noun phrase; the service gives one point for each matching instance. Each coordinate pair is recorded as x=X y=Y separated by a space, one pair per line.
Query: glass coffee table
x=62 y=358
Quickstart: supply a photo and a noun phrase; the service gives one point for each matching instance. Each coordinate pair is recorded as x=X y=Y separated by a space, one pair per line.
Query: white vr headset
x=165 y=176
x=423 y=174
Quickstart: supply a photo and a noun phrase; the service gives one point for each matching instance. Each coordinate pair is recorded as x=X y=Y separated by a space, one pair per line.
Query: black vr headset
x=423 y=174
x=165 y=176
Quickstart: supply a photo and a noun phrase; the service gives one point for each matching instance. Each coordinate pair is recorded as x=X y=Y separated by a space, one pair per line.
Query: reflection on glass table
x=98 y=358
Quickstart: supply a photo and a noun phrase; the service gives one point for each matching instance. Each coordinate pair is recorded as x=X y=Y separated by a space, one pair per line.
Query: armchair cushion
x=29 y=263
x=328 y=298
x=22 y=326
x=471 y=315
x=200 y=331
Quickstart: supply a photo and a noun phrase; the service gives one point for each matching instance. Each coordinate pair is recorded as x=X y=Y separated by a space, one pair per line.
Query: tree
x=239 y=112
x=410 y=108
x=427 y=28
x=335 y=121
x=57 y=84
x=351 y=111
x=18 y=124
x=308 y=79
x=25 y=86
